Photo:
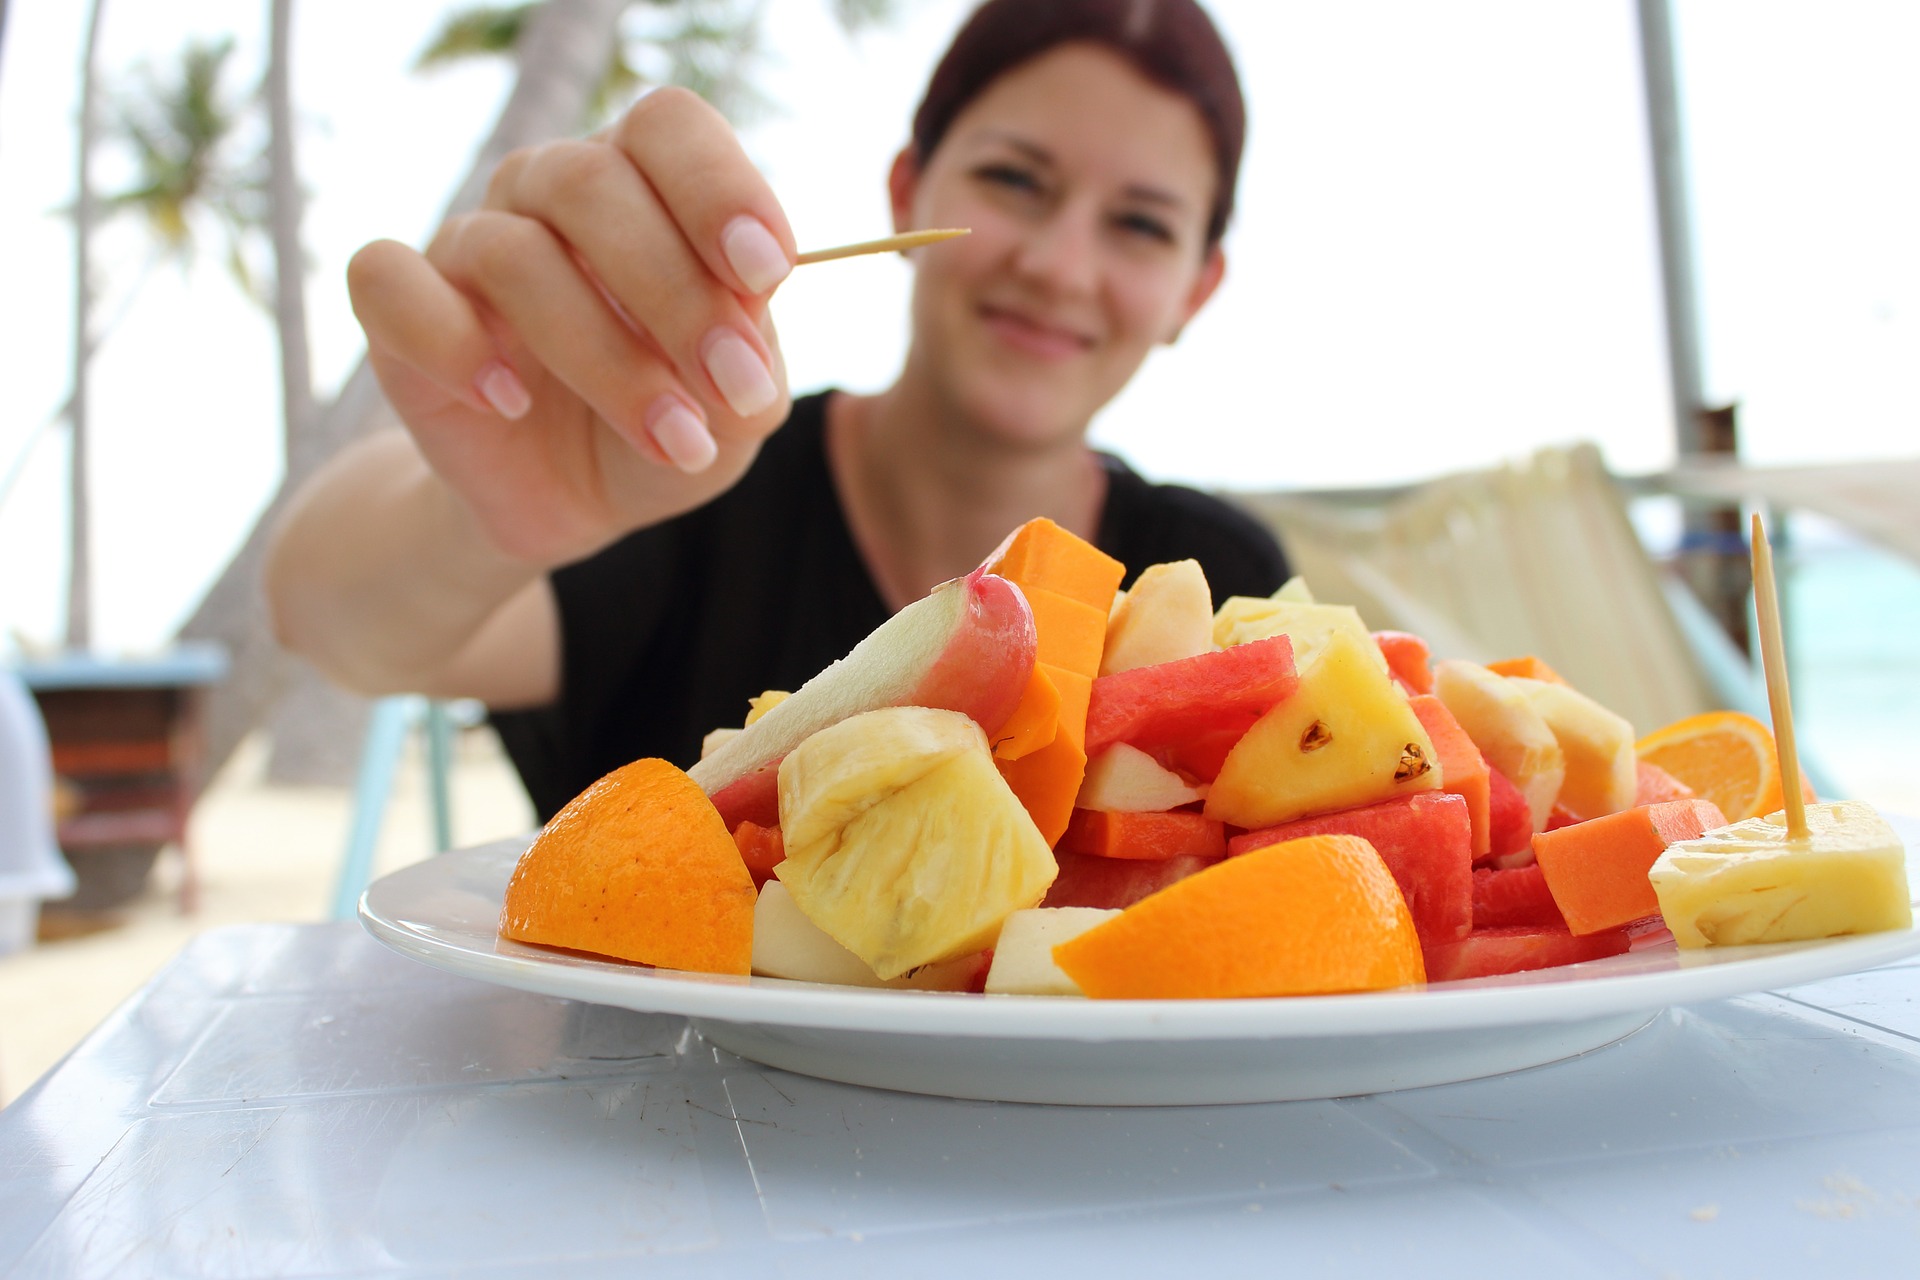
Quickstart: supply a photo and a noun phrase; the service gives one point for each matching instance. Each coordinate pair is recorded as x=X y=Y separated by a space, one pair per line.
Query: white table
x=296 y=1100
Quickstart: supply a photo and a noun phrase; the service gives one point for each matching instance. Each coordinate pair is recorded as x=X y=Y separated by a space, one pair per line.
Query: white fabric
x=30 y=861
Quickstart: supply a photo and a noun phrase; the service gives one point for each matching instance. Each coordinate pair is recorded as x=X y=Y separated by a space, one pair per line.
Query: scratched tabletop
x=298 y=1101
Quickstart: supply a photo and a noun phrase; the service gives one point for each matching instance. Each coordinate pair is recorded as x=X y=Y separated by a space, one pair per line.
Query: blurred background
x=1447 y=255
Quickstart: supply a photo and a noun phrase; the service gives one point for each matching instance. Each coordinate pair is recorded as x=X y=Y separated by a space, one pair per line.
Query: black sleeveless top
x=666 y=633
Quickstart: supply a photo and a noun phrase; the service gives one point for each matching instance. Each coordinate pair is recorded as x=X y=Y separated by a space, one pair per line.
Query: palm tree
x=284 y=207
x=180 y=128
x=79 y=626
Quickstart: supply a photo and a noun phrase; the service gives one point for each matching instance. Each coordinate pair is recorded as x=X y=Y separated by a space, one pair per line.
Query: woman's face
x=1088 y=189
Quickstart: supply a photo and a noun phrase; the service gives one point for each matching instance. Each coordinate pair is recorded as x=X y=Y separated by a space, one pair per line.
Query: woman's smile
x=1033 y=335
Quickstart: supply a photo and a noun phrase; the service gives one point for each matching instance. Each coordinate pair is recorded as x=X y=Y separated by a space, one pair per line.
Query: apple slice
x=1167 y=616
x=1601 y=776
x=1124 y=779
x=966 y=646
x=1515 y=738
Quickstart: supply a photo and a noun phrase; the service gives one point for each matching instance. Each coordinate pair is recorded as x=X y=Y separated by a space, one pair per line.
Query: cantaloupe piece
x=1072 y=633
x=1047 y=781
x=1035 y=721
x=639 y=866
x=1528 y=668
x=1597 y=869
x=1070 y=584
x=1042 y=554
x=1319 y=914
x=1147 y=837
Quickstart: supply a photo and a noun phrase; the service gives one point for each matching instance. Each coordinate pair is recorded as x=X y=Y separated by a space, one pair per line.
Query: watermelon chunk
x=1207 y=696
x=1463 y=770
x=1509 y=821
x=1408 y=658
x=1426 y=840
x=1517 y=948
x=1502 y=899
x=1088 y=880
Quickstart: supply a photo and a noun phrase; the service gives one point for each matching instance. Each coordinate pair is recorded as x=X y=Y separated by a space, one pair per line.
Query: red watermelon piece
x=1502 y=899
x=1162 y=707
x=1407 y=658
x=1088 y=880
x=1517 y=948
x=1509 y=820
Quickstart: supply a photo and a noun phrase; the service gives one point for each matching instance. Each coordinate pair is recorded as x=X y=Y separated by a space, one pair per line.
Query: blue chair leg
x=439 y=767
x=379 y=759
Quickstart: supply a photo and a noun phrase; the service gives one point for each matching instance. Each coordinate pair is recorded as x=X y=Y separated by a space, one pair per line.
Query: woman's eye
x=1009 y=176
x=1145 y=225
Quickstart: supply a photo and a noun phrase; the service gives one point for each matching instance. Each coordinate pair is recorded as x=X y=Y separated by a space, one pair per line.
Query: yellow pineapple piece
x=904 y=844
x=1345 y=736
x=1242 y=619
x=1750 y=882
x=765 y=702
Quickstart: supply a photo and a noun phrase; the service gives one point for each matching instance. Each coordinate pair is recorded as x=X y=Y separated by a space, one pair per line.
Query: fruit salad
x=1032 y=783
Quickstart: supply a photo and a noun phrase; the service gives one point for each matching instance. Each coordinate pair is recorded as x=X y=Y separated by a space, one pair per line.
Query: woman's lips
x=1034 y=337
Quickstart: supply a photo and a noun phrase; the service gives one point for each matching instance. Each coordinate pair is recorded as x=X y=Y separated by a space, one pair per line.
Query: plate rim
x=1512 y=1000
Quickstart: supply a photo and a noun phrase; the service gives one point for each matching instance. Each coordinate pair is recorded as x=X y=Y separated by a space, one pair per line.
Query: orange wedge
x=1723 y=756
x=1302 y=917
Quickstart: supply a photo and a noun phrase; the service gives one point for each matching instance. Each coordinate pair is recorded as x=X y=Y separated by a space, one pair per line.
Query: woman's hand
x=590 y=352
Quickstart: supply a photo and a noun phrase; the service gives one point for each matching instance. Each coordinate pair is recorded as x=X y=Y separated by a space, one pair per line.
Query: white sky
x=1444 y=254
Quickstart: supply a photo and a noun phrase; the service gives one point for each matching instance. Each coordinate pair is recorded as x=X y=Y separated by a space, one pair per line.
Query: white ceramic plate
x=1109 y=1052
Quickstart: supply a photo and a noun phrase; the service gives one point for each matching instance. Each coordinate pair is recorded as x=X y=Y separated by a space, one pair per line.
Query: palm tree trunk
x=79 y=524
x=284 y=202
x=562 y=55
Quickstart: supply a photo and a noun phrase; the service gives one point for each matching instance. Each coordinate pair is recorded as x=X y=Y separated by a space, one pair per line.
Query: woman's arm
x=587 y=354
x=380 y=576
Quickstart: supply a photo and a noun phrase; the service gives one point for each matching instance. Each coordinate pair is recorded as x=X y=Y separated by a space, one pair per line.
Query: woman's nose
x=1062 y=250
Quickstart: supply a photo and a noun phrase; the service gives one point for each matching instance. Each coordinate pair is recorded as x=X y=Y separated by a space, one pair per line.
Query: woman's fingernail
x=681 y=435
x=754 y=254
x=737 y=370
x=502 y=389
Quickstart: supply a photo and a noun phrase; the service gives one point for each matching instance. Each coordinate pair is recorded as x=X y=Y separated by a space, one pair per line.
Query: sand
x=264 y=853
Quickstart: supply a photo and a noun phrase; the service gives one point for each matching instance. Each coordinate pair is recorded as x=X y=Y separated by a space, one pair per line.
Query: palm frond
x=484 y=31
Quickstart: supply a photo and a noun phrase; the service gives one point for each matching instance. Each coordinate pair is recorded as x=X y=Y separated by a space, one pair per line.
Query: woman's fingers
x=610 y=218
x=412 y=315
x=521 y=271
x=692 y=159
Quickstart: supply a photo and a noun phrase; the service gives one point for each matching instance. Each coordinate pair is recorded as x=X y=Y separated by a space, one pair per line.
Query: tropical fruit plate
x=445 y=912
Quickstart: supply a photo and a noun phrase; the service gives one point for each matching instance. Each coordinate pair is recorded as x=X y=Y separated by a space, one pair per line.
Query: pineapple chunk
x=1748 y=882
x=1345 y=736
x=904 y=844
x=1242 y=619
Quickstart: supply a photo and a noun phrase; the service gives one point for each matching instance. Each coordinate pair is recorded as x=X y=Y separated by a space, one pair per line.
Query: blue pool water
x=1852 y=618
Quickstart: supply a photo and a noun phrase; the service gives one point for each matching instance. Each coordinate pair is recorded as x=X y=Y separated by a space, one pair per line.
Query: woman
x=607 y=520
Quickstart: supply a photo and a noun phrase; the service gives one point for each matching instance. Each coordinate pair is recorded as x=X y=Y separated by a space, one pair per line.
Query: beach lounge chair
x=1535 y=557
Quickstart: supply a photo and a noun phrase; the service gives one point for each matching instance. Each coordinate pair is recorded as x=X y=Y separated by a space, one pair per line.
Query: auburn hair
x=1171 y=42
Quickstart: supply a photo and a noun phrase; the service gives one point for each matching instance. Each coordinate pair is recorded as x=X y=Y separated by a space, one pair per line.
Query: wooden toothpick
x=888 y=244
x=1766 y=600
